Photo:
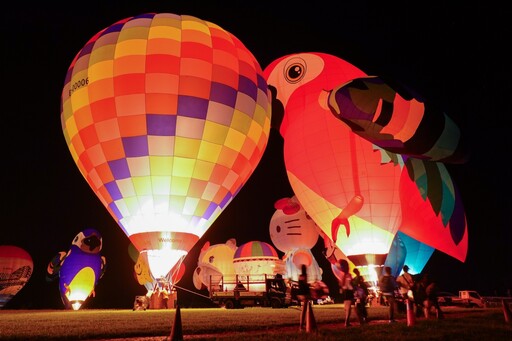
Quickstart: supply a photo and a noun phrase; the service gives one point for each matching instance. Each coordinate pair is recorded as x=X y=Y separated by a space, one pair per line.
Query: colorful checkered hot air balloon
x=166 y=116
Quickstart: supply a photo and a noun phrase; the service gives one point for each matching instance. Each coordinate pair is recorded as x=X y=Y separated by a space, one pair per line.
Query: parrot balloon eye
x=295 y=70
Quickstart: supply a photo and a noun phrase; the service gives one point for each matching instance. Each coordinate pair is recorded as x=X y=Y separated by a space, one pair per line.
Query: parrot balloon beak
x=277 y=109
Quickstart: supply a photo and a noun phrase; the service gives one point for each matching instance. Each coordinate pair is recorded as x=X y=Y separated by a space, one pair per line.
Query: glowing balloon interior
x=166 y=117
x=16 y=267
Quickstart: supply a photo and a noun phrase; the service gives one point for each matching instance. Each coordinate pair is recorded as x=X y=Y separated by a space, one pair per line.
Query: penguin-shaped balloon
x=79 y=269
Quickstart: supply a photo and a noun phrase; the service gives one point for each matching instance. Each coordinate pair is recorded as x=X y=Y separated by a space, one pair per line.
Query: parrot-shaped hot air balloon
x=358 y=154
x=16 y=267
x=166 y=117
x=79 y=269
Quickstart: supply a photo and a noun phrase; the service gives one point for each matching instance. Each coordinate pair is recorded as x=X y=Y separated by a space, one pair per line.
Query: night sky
x=452 y=55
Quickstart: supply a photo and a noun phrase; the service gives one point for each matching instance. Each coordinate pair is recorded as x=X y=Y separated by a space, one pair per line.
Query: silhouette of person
x=346 y=289
x=360 y=295
x=388 y=285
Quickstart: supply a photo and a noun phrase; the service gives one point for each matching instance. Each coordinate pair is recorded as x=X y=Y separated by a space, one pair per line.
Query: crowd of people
x=419 y=294
x=406 y=290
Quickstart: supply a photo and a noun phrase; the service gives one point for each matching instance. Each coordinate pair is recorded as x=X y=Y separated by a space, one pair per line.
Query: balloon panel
x=166 y=117
x=16 y=267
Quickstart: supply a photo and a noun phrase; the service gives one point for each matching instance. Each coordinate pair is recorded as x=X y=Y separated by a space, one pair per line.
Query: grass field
x=248 y=324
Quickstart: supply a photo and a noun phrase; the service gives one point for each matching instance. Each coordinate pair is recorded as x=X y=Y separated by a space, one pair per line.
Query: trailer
x=252 y=291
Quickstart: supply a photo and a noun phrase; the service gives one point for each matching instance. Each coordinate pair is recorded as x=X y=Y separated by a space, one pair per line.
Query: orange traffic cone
x=506 y=311
x=176 y=331
x=310 y=319
x=411 y=317
x=303 y=314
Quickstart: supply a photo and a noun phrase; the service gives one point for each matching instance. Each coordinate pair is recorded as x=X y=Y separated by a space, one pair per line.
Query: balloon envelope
x=166 y=117
x=328 y=165
x=255 y=260
x=16 y=267
x=396 y=256
x=360 y=155
x=418 y=253
x=215 y=266
x=81 y=268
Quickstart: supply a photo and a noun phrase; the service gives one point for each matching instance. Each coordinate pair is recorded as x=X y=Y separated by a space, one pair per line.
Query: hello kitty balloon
x=293 y=232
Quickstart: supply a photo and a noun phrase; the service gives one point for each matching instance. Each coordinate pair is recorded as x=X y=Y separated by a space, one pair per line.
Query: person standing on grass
x=346 y=289
x=407 y=286
x=388 y=285
x=361 y=296
x=165 y=292
x=303 y=295
x=430 y=302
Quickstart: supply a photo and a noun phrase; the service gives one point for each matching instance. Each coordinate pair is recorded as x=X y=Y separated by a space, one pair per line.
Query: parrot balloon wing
x=420 y=136
x=379 y=114
x=53 y=268
x=432 y=208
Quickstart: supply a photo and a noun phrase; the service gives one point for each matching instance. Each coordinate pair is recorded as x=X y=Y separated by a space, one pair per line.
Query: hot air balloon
x=255 y=260
x=418 y=254
x=16 y=267
x=395 y=259
x=215 y=266
x=358 y=154
x=166 y=117
x=79 y=269
x=293 y=232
